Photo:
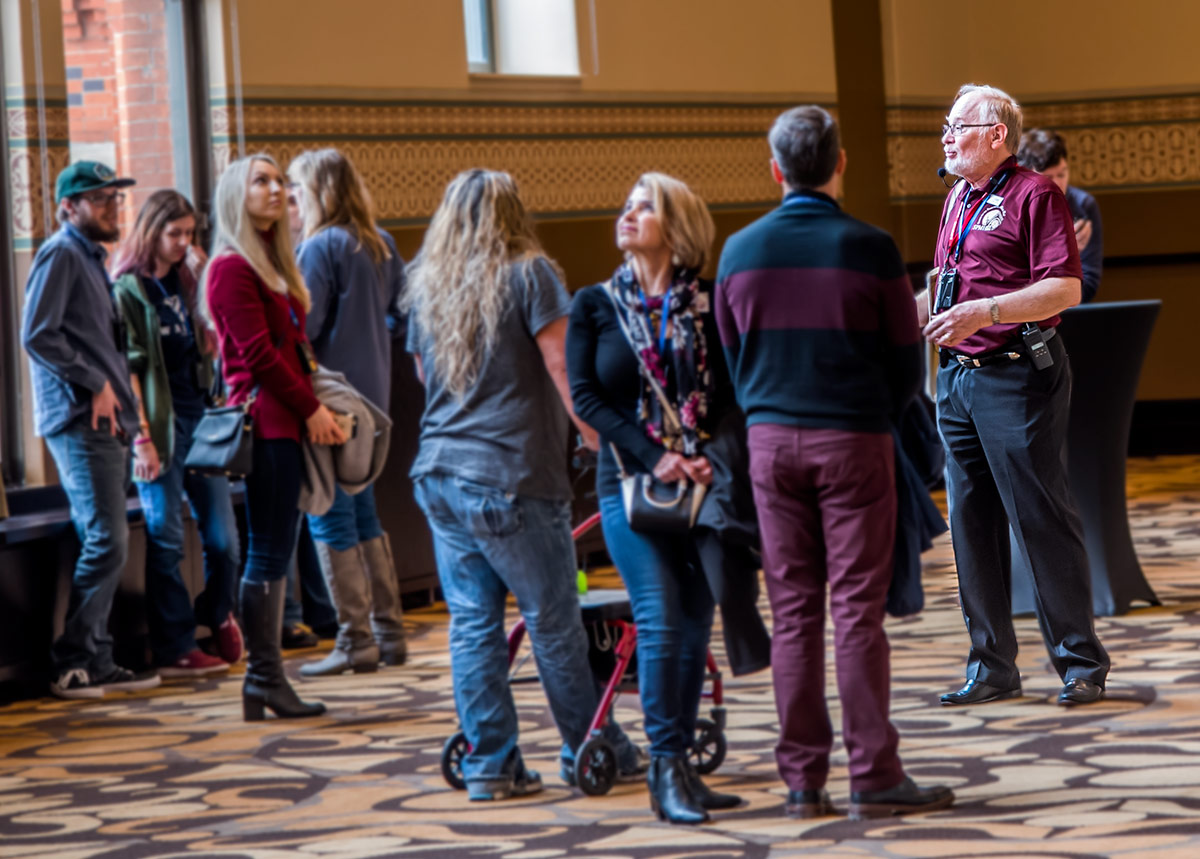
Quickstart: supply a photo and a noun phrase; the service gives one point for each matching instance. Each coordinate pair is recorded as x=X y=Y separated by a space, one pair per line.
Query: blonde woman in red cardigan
x=257 y=301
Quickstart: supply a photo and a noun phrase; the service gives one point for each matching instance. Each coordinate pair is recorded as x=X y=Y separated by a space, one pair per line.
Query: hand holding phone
x=348 y=424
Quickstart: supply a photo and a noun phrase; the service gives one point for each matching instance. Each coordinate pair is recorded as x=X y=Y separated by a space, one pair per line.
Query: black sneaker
x=74 y=683
x=488 y=790
x=123 y=680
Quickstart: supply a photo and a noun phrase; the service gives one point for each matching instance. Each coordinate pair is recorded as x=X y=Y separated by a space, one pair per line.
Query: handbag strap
x=620 y=463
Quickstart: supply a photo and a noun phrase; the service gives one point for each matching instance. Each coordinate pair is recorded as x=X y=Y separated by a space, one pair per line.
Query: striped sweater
x=817 y=319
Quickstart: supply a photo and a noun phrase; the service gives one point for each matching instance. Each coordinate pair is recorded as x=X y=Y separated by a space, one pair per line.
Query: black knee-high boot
x=266 y=686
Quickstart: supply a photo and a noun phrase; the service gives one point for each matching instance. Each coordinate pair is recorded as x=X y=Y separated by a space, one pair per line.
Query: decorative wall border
x=571 y=159
x=24 y=163
x=1128 y=143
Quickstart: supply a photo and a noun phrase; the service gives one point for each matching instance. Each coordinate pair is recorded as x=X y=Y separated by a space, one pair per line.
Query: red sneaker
x=194 y=664
x=229 y=640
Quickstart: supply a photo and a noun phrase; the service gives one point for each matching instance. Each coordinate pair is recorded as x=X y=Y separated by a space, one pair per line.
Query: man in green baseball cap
x=83 y=406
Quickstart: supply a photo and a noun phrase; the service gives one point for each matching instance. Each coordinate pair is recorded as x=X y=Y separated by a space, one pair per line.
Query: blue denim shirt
x=69 y=329
x=355 y=312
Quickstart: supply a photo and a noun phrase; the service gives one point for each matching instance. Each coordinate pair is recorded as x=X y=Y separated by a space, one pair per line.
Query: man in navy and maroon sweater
x=817 y=319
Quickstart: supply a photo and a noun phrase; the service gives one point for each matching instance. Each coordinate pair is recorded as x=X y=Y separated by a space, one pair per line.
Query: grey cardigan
x=354 y=465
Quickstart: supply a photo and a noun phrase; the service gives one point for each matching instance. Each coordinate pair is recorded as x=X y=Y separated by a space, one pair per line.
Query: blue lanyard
x=663 y=319
x=995 y=186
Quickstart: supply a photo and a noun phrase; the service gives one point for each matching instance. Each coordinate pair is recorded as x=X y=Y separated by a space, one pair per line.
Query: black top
x=606 y=384
x=179 y=349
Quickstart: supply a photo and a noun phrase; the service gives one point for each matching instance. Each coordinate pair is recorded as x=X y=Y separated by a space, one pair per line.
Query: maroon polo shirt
x=1024 y=234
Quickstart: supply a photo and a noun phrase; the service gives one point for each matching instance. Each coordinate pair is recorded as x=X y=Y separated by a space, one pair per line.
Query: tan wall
x=1040 y=50
x=751 y=47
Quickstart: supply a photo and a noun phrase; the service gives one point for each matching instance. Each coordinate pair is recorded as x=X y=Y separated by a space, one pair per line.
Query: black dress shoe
x=977 y=692
x=806 y=804
x=904 y=798
x=1080 y=691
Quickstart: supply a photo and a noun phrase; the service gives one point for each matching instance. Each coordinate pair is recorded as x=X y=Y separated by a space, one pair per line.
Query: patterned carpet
x=176 y=771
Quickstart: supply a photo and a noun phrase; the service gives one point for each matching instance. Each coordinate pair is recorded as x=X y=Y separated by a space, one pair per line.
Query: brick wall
x=117 y=90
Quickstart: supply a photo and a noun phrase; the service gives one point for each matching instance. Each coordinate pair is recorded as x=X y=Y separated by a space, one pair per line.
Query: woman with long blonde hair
x=487 y=326
x=257 y=301
x=354 y=277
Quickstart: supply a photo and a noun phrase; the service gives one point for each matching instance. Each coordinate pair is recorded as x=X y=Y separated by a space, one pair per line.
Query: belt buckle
x=967 y=361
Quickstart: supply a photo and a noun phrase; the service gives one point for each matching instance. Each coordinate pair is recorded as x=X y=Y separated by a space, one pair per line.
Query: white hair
x=999 y=107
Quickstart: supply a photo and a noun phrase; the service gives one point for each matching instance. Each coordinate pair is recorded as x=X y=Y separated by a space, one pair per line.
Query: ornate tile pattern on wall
x=24 y=164
x=1119 y=143
x=571 y=160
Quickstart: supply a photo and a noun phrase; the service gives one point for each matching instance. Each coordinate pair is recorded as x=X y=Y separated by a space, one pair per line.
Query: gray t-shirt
x=509 y=430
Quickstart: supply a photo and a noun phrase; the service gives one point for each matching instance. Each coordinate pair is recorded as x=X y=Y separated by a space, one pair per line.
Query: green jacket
x=144 y=350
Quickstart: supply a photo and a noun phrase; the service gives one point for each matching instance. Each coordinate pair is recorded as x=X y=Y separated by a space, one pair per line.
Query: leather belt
x=998 y=356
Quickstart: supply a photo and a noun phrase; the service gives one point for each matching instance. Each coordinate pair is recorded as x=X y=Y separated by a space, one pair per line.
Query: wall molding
x=22 y=124
x=1120 y=143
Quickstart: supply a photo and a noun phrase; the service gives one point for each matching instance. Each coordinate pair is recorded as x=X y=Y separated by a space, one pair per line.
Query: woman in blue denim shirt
x=487 y=325
x=170 y=350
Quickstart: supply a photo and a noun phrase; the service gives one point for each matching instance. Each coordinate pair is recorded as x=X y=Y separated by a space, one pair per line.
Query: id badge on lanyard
x=948 y=278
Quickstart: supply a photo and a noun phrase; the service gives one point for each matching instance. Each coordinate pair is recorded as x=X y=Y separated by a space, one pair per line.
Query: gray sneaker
x=123 y=680
x=487 y=790
x=74 y=683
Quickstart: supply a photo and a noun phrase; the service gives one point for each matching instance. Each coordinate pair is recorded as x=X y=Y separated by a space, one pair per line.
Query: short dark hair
x=1041 y=149
x=805 y=144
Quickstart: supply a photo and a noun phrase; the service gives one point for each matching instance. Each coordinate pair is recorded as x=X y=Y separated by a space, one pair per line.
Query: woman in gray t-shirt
x=487 y=325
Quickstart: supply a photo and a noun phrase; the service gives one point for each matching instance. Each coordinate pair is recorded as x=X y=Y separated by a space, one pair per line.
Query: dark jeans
x=1004 y=427
x=827 y=513
x=272 y=512
x=170 y=616
x=94 y=469
x=351 y=520
x=673 y=610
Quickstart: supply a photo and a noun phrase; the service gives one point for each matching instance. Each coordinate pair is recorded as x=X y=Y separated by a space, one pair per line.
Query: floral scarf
x=680 y=371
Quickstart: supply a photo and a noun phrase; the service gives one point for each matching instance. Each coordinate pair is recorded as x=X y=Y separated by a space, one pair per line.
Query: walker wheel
x=453 y=752
x=708 y=753
x=596 y=767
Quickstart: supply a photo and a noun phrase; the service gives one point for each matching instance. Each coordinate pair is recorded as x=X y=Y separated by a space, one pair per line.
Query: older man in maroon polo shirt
x=1006 y=265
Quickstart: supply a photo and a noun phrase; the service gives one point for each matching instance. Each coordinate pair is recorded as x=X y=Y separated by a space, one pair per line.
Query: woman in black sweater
x=665 y=232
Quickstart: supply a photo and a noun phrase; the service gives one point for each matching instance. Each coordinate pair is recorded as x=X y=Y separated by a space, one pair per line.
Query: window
x=522 y=37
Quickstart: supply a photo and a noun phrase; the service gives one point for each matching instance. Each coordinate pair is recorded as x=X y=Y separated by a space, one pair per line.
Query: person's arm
x=47 y=293
x=552 y=343
x=587 y=393
x=731 y=339
x=146 y=463
x=237 y=306
x=898 y=323
x=1091 y=258
x=313 y=259
x=397 y=319
x=1034 y=303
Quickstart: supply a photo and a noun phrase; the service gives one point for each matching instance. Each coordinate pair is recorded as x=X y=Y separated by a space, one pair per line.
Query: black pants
x=1004 y=427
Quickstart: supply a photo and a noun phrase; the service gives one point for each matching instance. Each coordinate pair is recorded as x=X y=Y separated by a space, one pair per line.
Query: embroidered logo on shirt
x=991 y=219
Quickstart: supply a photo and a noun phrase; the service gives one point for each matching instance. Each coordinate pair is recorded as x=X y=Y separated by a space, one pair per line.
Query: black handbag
x=223 y=443
x=654 y=507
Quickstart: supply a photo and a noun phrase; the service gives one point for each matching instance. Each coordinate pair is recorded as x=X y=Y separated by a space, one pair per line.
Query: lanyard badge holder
x=948 y=279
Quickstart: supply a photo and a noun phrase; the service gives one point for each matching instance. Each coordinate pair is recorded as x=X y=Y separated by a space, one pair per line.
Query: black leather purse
x=223 y=443
x=654 y=507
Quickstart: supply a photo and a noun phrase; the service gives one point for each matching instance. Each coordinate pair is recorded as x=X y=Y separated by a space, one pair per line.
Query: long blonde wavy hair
x=458 y=284
x=235 y=233
x=335 y=195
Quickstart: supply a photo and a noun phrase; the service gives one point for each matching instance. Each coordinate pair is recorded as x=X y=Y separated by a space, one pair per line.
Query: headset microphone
x=942 y=172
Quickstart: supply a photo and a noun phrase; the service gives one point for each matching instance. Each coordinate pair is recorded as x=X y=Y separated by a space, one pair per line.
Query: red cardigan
x=250 y=320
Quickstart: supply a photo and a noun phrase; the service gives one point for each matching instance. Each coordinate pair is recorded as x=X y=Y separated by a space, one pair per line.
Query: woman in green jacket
x=170 y=350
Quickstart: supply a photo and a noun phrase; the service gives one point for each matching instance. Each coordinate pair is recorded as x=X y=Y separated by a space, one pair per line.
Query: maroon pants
x=827 y=510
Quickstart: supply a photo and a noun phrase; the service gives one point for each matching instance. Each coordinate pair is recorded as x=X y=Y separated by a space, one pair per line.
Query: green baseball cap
x=84 y=176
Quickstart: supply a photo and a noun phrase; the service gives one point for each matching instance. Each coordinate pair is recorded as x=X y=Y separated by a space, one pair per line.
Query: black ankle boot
x=670 y=797
x=266 y=686
x=707 y=798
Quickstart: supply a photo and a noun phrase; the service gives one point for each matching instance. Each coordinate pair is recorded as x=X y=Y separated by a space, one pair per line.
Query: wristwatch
x=995 y=311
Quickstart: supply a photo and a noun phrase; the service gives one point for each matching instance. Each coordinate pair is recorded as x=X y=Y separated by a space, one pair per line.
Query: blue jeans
x=351 y=520
x=673 y=610
x=94 y=469
x=308 y=600
x=489 y=542
x=171 y=619
x=272 y=509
